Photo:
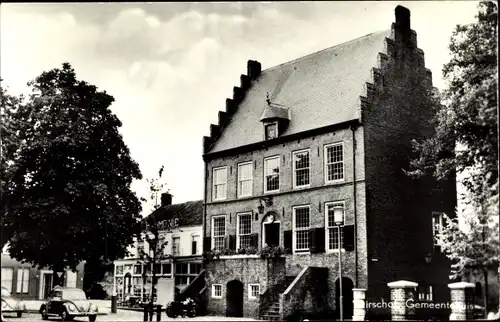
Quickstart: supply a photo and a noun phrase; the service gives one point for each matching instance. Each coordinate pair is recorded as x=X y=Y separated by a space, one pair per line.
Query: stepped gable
x=253 y=71
x=324 y=88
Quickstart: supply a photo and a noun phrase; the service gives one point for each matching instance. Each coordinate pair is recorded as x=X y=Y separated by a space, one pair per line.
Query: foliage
x=473 y=250
x=468 y=120
x=265 y=252
x=8 y=145
x=69 y=196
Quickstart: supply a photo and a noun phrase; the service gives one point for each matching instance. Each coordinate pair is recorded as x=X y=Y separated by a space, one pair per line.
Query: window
x=157 y=268
x=244 y=231
x=301 y=169
x=166 y=269
x=140 y=248
x=220 y=182
x=23 y=278
x=137 y=269
x=334 y=162
x=217 y=291
x=245 y=179
x=301 y=228
x=119 y=270
x=181 y=268
x=181 y=280
x=194 y=244
x=7 y=275
x=70 y=279
x=425 y=292
x=271 y=131
x=218 y=232
x=332 y=230
x=194 y=268
x=253 y=291
x=437 y=225
x=176 y=246
x=272 y=174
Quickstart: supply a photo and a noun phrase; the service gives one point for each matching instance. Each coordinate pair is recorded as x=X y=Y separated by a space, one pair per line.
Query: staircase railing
x=267 y=298
x=294 y=295
x=193 y=289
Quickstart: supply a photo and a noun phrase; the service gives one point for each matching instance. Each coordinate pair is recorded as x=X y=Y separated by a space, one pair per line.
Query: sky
x=170 y=66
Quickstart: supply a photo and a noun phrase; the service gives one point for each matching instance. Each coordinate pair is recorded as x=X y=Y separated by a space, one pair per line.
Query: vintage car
x=10 y=304
x=68 y=303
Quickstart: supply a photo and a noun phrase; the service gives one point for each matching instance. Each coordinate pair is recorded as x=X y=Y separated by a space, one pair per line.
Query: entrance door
x=347 y=286
x=234 y=299
x=272 y=234
x=47 y=285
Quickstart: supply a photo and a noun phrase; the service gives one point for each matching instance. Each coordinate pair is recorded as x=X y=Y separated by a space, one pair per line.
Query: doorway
x=47 y=280
x=234 y=299
x=271 y=234
x=348 y=307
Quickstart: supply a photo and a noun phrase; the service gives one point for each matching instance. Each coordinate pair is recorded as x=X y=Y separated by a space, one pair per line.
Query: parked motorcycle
x=187 y=308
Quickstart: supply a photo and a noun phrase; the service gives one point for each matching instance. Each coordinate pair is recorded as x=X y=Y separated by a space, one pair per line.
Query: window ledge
x=334 y=182
x=239 y=256
x=335 y=251
x=302 y=253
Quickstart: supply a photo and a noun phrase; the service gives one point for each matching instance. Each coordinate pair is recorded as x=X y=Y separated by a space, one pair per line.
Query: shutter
x=193 y=247
x=349 y=237
x=312 y=240
x=207 y=244
x=254 y=240
x=287 y=241
x=320 y=240
x=232 y=242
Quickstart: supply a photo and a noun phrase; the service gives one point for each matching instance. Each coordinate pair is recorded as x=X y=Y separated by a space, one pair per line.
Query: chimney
x=402 y=18
x=166 y=199
x=253 y=69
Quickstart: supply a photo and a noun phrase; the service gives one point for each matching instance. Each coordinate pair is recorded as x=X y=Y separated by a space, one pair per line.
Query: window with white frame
x=272 y=174
x=334 y=162
x=23 y=277
x=176 y=246
x=332 y=230
x=244 y=231
x=220 y=183
x=217 y=290
x=437 y=225
x=7 y=276
x=166 y=269
x=253 y=291
x=218 y=232
x=301 y=225
x=245 y=179
x=301 y=169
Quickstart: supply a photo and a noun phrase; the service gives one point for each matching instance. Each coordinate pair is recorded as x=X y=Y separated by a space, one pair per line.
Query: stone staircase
x=271 y=309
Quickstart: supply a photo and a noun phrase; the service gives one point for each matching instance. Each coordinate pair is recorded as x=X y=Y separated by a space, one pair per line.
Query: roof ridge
x=323 y=50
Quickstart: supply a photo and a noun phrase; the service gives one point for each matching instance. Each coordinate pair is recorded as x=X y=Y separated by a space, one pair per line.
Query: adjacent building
x=329 y=132
x=34 y=283
x=183 y=252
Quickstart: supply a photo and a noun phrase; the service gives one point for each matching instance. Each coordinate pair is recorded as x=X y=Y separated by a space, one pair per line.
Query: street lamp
x=338 y=218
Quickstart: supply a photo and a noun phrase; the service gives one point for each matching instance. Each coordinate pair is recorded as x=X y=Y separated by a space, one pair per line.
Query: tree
x=8 y=145
x=468 y=120
x=70 y=199
x=154 y=233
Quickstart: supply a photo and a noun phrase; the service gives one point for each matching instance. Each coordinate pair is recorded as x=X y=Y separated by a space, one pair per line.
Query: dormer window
x=271 y=130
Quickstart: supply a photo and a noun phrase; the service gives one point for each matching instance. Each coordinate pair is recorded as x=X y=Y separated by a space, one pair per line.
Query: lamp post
x=338 y=217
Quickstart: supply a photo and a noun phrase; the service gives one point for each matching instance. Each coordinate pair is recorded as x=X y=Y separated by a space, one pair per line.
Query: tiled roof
x=320 y=89
x=189 y=213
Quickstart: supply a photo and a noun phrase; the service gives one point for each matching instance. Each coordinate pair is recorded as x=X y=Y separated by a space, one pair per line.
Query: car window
x=74 y=294
x=5 y=292
x=55 y=294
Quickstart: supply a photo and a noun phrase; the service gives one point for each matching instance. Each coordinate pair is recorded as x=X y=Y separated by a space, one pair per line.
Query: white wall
x=185 y=234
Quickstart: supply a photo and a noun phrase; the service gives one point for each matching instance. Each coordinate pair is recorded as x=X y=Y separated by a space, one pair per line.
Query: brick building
x=331 y=129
